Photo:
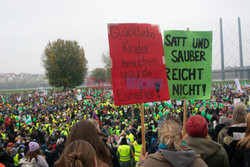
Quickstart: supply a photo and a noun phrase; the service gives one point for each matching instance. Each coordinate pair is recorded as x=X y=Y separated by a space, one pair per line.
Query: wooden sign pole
x=184 y=118
x=143 y=131
x=184 y=114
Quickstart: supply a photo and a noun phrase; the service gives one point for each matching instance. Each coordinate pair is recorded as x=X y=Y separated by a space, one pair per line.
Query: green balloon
x=17 y=124
x=197 y=106
x=34 y=119
x=17 y=118
x=208 y=102
x=203 y=101
x=223 y=105
x=154 y=103
x=160 y=114
x=154 y=114
x=169 y=105
x=203 y=113
x=209 y=117
x=192 y=101
x=166 y=112
x=193 y=114
x=147 y=104
x=160 y=107
x=27 y=122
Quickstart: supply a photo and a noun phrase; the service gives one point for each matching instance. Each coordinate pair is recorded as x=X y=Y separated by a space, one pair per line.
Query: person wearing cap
x=33 y=157
x=199 y=141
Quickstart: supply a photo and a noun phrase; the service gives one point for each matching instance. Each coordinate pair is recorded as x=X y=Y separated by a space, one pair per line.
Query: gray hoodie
x=173 y=158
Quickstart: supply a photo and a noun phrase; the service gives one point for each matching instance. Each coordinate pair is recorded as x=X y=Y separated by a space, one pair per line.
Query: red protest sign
x=138 y=72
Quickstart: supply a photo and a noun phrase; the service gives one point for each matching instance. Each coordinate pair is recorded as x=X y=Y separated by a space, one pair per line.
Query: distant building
x=231 y=73
x=10 y=76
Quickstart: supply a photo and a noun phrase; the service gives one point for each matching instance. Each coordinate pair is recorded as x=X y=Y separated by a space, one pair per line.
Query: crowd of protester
x=83 y=127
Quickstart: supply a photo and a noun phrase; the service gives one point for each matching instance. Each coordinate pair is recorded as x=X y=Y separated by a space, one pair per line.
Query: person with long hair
x=79 y=153
x=171 y=151
x=241 y=156
x=85 y=130
x=33 y=157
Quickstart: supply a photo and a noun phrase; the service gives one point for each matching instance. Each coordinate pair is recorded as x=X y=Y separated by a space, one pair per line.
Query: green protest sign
x=188 y=56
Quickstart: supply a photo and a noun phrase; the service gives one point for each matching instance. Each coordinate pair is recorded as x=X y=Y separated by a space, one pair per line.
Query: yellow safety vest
x=16 y=160
x=64 y=133
x=124 y=152
x=137 y=148
x=131 y=137
x=51 y=131
x=3 y=136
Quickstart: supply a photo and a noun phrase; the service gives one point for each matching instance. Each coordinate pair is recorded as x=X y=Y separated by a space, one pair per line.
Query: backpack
x=25 y=163
x=246 y=162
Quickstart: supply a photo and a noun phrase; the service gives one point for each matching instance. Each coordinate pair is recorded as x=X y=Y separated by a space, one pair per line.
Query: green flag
x=188 y=56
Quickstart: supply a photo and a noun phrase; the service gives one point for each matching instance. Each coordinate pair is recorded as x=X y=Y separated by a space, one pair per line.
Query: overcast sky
x=26 y=26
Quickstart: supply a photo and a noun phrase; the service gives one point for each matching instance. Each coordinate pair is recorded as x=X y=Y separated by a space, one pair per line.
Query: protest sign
x=237 y=100
x=138 y=70
x=238 y=84
x=188 y=56
x=178 y=102
x=79 y=97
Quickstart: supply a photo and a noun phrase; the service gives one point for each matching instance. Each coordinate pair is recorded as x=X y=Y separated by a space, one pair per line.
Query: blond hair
x=246 y=140
x=170 y=133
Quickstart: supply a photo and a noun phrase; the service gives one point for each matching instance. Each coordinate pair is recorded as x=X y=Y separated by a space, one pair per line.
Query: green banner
x=188 y=56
